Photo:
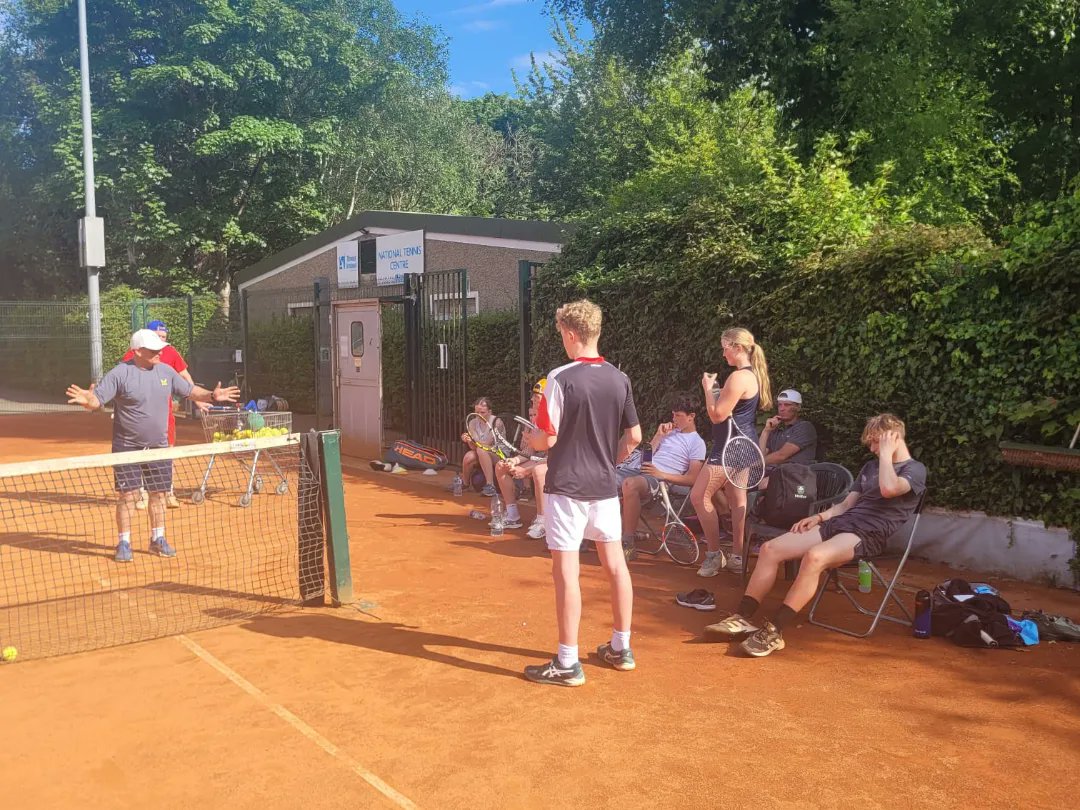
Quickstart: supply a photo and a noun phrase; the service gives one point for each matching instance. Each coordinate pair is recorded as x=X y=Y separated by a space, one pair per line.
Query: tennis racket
x=742 y=460
x=487 y=437
x=677 y=539
x=525 y=423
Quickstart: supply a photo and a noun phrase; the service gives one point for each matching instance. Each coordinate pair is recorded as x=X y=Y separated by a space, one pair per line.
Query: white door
x=358 y=377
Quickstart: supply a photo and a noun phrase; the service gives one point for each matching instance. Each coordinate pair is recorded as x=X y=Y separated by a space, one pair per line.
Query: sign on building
x=348 y=264
x=397 y=255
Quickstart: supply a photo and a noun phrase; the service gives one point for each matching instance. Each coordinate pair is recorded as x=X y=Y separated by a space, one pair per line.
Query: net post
x=311 y=570
x=337 y=533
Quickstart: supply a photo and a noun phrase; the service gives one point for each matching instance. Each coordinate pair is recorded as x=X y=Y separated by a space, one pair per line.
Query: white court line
x=298 y=724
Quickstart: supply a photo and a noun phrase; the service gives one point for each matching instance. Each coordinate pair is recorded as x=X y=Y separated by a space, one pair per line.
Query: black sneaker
x=766 y=640
x=629 y=552
x=698 y=599
x=554 y=673
x=622 y=661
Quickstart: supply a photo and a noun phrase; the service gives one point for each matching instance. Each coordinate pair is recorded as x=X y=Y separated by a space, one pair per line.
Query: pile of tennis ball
x=250 y=434
x=9 y=655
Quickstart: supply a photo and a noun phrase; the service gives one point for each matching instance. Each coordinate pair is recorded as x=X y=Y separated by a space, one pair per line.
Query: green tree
x=212 y=123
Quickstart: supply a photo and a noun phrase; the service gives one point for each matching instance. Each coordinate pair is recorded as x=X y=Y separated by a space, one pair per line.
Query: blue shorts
x=153 y=476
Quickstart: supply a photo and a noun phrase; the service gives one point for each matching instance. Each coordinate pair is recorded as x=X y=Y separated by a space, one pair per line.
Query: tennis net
x=246 y=538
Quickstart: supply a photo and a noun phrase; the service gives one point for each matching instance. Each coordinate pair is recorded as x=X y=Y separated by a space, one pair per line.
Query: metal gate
x=526 y=274
x=436 y=357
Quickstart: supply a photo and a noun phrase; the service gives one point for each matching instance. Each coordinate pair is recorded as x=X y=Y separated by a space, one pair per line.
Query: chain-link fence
x=45 y=345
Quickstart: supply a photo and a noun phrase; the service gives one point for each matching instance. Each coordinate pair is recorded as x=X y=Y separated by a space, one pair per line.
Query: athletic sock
x=567 y=656
x=783 y=616
x=748 y=607
x=620 y=640
x=157 y=533
x=512 y=512
x=125 y=537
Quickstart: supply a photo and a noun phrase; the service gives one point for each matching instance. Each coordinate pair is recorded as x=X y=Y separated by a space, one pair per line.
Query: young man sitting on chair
x=881 y=500
x=678 y=453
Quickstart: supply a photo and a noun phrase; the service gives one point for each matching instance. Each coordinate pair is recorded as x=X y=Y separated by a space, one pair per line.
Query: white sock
x=620 y=640
x=158 y=533
x=512 y=512
x=567 y=656
x=125 y=537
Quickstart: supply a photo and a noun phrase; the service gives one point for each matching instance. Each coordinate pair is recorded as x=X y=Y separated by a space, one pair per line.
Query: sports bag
x=971 y=619
x=791 y=492
x=413 y=456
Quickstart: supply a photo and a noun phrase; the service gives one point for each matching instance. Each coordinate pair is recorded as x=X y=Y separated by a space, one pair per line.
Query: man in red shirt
x=170 y=357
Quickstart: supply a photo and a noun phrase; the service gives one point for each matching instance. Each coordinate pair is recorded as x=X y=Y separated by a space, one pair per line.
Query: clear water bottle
x=865 y=578
x=458 y=486
x=921 y=626
x=498 y=516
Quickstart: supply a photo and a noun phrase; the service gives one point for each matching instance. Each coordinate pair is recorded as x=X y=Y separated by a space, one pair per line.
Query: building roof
x=522 y=229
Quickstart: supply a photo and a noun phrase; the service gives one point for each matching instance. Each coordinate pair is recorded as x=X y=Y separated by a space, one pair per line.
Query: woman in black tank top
x=745 y=391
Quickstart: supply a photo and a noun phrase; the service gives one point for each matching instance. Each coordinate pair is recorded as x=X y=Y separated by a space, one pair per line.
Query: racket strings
x=743 y=462
x=480 y=431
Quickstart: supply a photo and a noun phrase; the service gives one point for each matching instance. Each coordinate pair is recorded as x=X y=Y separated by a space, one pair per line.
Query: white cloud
x=476 y=8
x=524 y=62
x=468 y=89
x=477 y=26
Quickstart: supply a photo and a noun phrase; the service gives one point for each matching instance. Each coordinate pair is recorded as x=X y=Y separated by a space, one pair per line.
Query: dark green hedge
x=969 y=342
x=281 y=360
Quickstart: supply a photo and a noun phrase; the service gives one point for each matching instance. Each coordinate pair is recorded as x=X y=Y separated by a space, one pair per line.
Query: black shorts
x=871 y=544
x=153 y=476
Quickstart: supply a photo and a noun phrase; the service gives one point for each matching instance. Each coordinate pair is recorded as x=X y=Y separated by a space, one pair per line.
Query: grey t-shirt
x=801 y=433
x=873 y=512
x=142 y=400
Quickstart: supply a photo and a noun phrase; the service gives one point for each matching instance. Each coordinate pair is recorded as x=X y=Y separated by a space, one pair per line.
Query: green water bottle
x=865 y=580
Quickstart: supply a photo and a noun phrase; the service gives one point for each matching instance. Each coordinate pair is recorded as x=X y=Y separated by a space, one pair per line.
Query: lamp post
x=91 y=226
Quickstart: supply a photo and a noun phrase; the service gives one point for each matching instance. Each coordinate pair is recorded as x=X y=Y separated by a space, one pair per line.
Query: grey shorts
x=871 y=544
x=652 y=481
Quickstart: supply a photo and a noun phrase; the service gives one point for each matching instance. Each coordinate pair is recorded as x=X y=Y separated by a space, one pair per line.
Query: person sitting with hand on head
x=678 y=453
x=881 y=500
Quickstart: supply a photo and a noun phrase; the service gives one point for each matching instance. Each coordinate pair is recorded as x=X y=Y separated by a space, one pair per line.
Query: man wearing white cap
x=787 y=438
x=141 y=390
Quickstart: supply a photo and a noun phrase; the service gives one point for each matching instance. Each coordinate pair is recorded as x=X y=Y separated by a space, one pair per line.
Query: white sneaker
x=714 y=561
x=734 y=564
x=536 y=530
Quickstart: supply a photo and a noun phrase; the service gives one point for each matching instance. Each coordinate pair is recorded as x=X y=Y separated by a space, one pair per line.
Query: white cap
x=790 y=395
x=147 y=339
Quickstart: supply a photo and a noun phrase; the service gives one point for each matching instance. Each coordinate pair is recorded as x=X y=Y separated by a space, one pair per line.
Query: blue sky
x=488 y=39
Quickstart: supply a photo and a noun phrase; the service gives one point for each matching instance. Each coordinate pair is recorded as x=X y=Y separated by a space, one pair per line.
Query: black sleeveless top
x=744 y=414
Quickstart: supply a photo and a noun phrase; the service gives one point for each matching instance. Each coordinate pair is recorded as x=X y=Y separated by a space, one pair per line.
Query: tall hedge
x=968 y=341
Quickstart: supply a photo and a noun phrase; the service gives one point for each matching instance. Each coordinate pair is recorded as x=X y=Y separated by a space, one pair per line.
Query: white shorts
x=568 y=521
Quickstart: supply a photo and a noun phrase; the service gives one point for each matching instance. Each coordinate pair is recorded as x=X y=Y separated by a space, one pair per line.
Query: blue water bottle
x=921 y=626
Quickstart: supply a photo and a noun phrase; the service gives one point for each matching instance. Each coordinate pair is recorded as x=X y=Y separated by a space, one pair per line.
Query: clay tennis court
x=414 y=695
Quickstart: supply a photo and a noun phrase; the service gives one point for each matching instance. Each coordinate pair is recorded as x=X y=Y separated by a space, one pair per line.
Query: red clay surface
x=420 y=684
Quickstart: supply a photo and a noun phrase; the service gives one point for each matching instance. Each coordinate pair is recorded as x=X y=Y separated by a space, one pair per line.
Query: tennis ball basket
x=226 y=425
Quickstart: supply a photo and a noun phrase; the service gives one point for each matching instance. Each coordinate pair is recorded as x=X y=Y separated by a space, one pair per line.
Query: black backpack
x=791 y=492
x=974 y=620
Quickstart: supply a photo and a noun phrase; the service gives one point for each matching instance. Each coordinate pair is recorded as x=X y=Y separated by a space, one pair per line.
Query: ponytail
x=760 y=366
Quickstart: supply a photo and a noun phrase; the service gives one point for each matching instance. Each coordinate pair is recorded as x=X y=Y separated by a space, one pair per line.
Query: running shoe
x=765 y=641
x=536 y=530
x=162 y=548
x=731 y=627
x=734 y=564
x=554 y=673
x=714 y=561
x=488 y=491
x=512 y=523
x=123 y=553
x=698 y=599
x=622 y=661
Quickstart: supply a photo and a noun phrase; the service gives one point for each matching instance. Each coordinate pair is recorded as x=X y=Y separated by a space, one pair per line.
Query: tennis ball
x=9 y=654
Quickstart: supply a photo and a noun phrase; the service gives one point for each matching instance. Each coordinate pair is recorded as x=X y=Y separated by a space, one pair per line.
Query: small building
x=489 y=249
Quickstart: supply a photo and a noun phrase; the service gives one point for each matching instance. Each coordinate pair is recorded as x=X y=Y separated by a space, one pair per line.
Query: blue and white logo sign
x=397 y=255
x=348 y=264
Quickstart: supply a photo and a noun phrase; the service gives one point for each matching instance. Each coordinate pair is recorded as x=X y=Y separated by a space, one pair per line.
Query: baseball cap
x=790 y=395
x=147 y=339
x=538 y=388
x=155 y=325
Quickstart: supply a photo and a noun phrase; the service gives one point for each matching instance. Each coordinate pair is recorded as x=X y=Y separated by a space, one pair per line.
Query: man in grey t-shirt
x=141 y=390
x=787 y=439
